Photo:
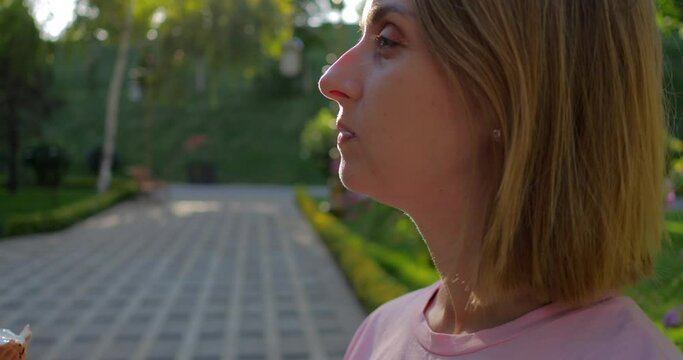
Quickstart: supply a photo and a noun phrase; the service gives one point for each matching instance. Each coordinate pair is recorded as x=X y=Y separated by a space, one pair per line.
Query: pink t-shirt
x=614 y=328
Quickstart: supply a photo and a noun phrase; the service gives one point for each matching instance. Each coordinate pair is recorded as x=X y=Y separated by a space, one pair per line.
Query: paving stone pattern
x=227 y=272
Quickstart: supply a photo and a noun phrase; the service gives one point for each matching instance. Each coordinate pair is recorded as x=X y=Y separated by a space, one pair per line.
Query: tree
x=113 y=100
x=23 y=77
x=214 y=35
x=669 y=15
x=222 y=33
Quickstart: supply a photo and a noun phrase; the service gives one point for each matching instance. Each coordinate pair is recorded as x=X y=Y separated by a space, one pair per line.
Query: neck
x=451 y=312
x=455 y=251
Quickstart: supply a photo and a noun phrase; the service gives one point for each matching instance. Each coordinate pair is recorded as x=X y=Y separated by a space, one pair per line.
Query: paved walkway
x=229 y=272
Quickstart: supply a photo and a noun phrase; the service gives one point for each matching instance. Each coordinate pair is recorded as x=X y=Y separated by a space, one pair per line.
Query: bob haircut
x=575 y=86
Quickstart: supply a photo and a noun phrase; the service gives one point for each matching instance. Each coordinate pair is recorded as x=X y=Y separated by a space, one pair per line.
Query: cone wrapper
x=12 y=346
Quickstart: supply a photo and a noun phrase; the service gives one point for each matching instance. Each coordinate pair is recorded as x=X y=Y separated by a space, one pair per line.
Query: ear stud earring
x=497 y=134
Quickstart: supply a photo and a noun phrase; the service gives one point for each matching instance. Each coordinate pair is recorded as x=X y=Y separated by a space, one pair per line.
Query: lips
x=344 y=130
x=345 y=134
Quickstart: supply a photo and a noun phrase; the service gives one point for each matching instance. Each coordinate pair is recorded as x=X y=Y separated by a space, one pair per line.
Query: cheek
x=439 y=142
x=415 y=118
x=415 y=149
x=412 y=126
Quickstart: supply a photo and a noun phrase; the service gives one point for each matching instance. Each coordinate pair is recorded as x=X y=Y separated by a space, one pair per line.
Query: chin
x=361 y=184
x=348 y=181
x=352 y=179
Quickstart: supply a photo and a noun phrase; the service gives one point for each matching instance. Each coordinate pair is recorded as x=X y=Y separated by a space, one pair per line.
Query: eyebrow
x=378 y=12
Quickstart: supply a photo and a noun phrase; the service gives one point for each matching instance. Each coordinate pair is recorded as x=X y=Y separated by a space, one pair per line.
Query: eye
x=387 y=41
x=384 y=42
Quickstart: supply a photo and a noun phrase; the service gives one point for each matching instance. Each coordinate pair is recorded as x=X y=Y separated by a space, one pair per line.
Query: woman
x=525 y=139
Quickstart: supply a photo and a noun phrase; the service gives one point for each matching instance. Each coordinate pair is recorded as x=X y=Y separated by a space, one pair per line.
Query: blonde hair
x=575 y=86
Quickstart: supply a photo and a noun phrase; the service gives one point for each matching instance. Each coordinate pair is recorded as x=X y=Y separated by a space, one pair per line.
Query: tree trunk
x=148 y=128
x=200 y=75
x=13 y=148
x=113 y=103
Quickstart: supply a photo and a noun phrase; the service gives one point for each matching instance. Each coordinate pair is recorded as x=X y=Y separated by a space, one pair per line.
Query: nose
x=340 y=82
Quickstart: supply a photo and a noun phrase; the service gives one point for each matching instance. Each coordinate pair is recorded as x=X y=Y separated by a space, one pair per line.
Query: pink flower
x=195 y=142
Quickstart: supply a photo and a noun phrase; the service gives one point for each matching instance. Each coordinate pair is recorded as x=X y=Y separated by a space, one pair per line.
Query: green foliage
x=84 y=182
x=675 y=164
x=21 y=49
x=402 y=267
x=31 y=199
x=24 y=83
x=250 y=137
x=254 y=132
x=391 y=239
x=673 y=62
x=318 y=137
x=390 y=228
x=49 y=163
x=664 y=291
x=64 y=216
x=668 y=15
x=394 y=242
x=197 y=29
x=370 y=282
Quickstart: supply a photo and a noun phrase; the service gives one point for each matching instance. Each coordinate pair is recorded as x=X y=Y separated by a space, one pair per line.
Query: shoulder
x=615 y=328
x=391 y=323
x=638 y=334
x=409 y=304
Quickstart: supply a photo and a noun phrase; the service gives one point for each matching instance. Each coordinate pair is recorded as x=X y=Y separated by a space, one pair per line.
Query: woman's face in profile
x=410 y=132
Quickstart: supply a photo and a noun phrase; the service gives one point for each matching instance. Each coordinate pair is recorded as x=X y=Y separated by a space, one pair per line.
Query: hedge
x=88 y=182
x=373 y=286
x=401 y=267
x=64 y=216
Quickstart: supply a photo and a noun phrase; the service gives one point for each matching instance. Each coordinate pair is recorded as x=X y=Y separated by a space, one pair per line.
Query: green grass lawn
x=36 y=209
x=32 y=199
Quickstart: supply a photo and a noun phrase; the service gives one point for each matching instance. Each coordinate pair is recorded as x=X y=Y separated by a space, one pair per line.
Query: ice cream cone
x=12 y=346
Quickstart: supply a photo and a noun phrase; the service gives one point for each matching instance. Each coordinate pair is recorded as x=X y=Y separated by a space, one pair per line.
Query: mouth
x=345 y=130
x=345 y=134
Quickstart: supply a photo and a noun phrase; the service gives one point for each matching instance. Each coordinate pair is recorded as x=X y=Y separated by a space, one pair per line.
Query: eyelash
x=384 y=42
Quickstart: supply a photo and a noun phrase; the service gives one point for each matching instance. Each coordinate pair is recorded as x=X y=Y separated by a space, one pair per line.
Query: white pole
x=113 y=104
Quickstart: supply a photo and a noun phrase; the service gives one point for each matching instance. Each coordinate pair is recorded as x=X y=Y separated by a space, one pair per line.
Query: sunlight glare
x=52 y=16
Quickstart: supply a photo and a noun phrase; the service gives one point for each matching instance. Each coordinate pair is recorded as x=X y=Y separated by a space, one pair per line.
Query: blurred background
x=96 y=95
x=195 y=91
x=200 y=91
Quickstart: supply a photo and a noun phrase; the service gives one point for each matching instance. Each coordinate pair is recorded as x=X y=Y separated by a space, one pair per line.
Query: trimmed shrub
x=391 y=228
x=403 y=268
x=49 y=163
x=67 y=215
x=86 y=182
x=372 y=285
